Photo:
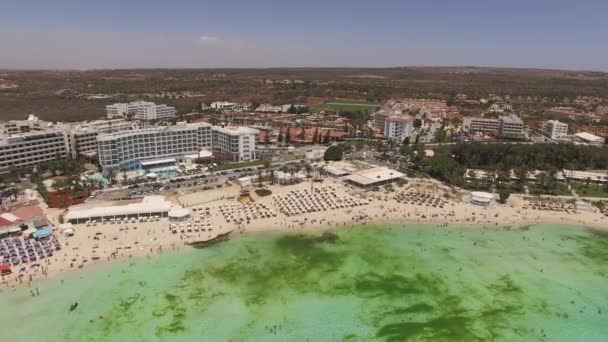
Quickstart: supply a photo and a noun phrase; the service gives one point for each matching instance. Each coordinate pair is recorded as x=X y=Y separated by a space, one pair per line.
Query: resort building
x=152 y=147
x=83 y=137
x=398 y=127
x=380 y=119
x=555 y=130
x=223 y=105
x=476 y=124
x=140 y=110
x=234 y=143
x=512 y=127
x=32 y=124
x=509 y=126
x=29 y=149
x=117 y=110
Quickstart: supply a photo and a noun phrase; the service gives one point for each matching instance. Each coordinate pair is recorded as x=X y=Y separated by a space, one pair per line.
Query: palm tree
x=124 y=175
x=503 y=176
x=308 y=169
x=472 y=174
x=112 y=176
x=272 y=177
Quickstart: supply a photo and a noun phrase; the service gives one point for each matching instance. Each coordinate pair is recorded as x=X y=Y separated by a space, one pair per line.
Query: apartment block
x=555 y=130
x=512 y=127
x=141 y=110
x=380 y=119
x=117 y=110
x=398 y=127
x=508 y=126
x=235 y=143
x=29 y=149
x=488 y=125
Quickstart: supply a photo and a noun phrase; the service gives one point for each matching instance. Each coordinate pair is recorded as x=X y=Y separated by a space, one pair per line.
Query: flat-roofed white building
x=117 y=110
x=508 y=126
x=235 y=143
x=29 y=149
x=131 y=150
x=373 y=176
x=31 y=124
x=83 y=137
x=476 y=124
x=590 y=138
x=141 y=110
x=150 y=206
x=398 y=127
x=555 y=130
x=223 y=105
x=512 y=127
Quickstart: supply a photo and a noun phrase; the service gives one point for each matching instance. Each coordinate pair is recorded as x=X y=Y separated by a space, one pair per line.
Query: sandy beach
x=339 y=206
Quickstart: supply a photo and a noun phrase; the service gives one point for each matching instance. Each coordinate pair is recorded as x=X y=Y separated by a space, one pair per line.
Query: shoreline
x=308 y=230
x=118 y=242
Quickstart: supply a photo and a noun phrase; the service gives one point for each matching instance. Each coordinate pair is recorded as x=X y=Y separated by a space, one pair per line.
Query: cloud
x=207 y=39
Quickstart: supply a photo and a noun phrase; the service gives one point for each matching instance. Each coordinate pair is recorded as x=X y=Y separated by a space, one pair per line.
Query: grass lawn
x=560 y=190
x=590 y=191
x=513 y=188
x=471 y=186
x=346 y=105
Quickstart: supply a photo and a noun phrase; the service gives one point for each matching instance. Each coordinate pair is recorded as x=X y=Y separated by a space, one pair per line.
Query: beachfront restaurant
x=373 y=177
x=150 y=206
x=481 y=198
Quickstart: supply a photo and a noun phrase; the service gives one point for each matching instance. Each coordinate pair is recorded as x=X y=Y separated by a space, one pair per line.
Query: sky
x=85 y=34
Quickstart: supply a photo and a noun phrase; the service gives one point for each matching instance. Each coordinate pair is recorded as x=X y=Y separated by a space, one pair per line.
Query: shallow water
x=390 y=283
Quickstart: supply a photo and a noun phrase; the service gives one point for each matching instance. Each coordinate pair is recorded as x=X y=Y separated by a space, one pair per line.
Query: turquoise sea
x=366 y=283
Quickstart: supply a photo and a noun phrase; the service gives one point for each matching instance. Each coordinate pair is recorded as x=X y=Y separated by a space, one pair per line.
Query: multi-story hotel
x=160 y=146
x=509 y=126
x=29 y=149
x=488 y=125
x=83 y=137
x=555 y=129
x=398 y=127
x=143 y=148
x=117 y=110
x=380 y=119
x=32 y=124
x=512 y=127
x=140 y=110
x=234 y=143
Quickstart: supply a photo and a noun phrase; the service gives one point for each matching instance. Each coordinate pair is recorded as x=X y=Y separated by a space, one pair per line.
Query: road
x=203 y=179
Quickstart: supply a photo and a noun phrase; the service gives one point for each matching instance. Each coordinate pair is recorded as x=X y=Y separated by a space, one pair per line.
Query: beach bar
x=373 y=177
x=149 y=207
x=481 y=198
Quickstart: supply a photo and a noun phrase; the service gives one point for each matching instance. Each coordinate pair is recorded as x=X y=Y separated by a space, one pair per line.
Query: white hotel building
x=234 y=143
x=555 y=130
x=398 y=127
x=83 y=137
x=141 y=110
x=161 y=146
x=29 y=149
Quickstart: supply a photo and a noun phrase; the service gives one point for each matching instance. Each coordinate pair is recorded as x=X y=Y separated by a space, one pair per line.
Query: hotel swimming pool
x=165 y=172
x=98 y=176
